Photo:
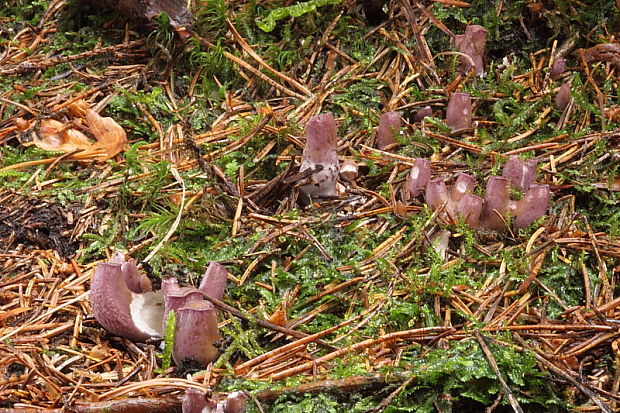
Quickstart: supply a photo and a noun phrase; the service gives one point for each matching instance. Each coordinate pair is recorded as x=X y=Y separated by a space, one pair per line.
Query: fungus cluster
x=497 y=208
x=124 y=303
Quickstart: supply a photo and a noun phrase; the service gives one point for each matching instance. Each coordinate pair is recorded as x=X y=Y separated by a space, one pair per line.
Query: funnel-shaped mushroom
x=470 y=207
x=319 y=155
x=521 y=173
x=389 y=126
x=496 y=203
x=119 y=310
x=419 y=176
x=458 y=113
x=176 y=296
x=532 y=206
x=473 y=44
x=195 y=333
x=214 y=280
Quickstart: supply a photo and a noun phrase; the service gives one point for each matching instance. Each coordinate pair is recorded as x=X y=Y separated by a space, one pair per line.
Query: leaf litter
x=503 y=293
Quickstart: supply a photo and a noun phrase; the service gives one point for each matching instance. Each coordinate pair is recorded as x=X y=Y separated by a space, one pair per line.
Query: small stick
x=487 y=353
x=287 y=331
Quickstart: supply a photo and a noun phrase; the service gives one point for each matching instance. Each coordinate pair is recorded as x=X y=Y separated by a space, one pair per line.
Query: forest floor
x=372 y=317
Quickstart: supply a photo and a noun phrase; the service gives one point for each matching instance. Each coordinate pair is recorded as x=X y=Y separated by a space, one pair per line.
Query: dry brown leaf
x=54 y=135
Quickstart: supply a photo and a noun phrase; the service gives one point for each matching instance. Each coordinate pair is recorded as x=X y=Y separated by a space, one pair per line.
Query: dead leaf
x=110 y=137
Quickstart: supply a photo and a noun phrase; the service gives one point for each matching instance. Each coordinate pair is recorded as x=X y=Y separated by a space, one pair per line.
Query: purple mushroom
x=459 y=111
x=557 y=70
x=532 y=206
x=521 y=173
x=135 y=280
x=437 y=194
x=562 y=99
x=389 y=126
x=196 y=332
x=473 y=45
x=214 y=280
x=419 y=176
x=496 y=203
x=464 y=184
x=319 y=155
x=195 y=401
x=470 y=207
x=136 y=316
x=425 y=112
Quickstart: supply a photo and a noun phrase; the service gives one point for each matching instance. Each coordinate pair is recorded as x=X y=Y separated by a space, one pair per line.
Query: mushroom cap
x=136 y=281
x=562 y=99
x=236 y=402
x=437 y=193
x=557 y=70
x=464 y=184
x=470 y=207
x=195 y=401
x=473 y=44
x=196 y=332
x=349 y=170
x=426 y=111
x=115 y=306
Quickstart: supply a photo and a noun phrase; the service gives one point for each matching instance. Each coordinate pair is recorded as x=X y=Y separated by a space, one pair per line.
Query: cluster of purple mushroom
x=496 y=209
x=124 y=303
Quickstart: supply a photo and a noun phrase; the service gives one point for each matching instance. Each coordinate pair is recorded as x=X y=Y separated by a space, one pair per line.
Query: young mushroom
x=319 y=156
x=349 y=170
x=496 y=203
x=418 y=177
x=532 y=206
x=195 y=333
x=389 y=127
x=473 y=45
x=521 y=173
x=459 y=111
